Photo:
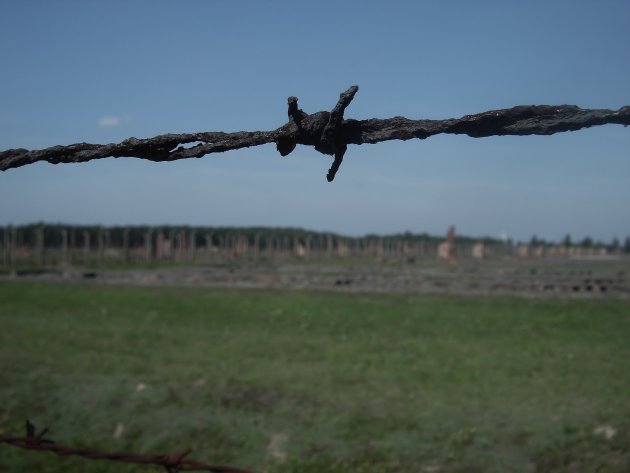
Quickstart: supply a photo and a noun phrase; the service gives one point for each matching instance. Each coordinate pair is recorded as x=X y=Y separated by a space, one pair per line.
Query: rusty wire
x=172 y=463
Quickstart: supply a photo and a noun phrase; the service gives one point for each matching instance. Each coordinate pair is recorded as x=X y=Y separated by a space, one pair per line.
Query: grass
x=306 y=382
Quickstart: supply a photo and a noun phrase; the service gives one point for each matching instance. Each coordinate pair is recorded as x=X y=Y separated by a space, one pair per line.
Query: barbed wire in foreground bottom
x=172 y=463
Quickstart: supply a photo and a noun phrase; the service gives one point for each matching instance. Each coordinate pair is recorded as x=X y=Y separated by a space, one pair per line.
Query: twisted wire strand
x=173 y=463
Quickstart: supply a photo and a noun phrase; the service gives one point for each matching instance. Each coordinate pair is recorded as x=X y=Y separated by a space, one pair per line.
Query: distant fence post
x=227 y=241
x=126 y=245
x=180 y=248
x=192 y=242
x=308 y=246
x=12 y=237
x=160 y=240
x=171 y=244
x=70 y=245
x=39 y=245
x=102 y=242
x=329 y=245
x=148 y=240
x=5 y=246
x=64 y=246
x=87 y=243
x=209 y=246
x=256 y=252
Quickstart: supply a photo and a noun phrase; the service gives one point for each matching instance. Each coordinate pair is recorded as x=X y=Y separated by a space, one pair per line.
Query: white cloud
x=107 y=121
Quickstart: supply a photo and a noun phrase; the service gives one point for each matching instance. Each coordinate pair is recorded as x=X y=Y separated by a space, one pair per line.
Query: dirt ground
x=523 y=278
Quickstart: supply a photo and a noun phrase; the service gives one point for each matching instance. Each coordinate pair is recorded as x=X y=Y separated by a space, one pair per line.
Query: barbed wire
x=329 y=133
x=173 y=463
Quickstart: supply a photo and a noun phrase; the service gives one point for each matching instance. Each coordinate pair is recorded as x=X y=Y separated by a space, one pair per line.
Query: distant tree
x=615 y=245
x=587 y=242
x=567 y=240
x=626 y=245
x=534 y=241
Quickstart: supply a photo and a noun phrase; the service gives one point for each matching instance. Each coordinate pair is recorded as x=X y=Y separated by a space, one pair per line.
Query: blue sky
x=104 y=71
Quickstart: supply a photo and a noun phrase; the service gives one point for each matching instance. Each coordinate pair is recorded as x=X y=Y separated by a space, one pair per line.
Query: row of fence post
x=44 y=246
x=77 y=245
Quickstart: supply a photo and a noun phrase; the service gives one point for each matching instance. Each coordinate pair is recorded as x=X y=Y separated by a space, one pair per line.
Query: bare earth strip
x=546 y=279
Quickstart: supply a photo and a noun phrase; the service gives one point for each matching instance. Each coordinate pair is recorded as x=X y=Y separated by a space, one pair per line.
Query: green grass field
x=315 y=382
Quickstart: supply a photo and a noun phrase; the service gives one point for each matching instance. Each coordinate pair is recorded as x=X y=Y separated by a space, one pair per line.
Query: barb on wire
x=171 y=463
x=329 y=133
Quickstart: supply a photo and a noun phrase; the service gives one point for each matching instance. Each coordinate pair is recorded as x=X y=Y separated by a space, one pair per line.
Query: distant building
x=479 y=250
x=446 y=249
